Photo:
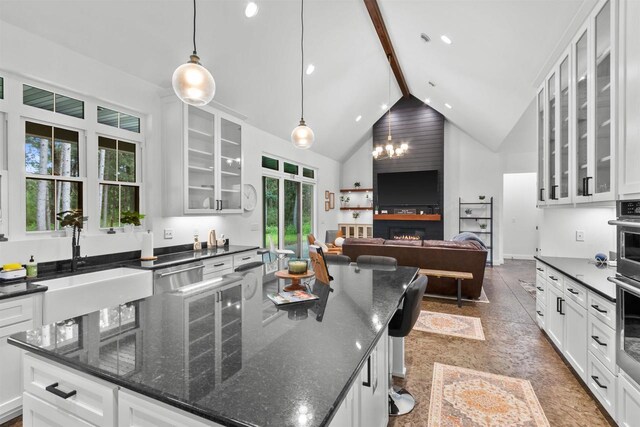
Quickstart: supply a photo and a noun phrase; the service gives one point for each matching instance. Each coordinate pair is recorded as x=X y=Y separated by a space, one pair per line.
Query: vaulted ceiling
x=487 y=74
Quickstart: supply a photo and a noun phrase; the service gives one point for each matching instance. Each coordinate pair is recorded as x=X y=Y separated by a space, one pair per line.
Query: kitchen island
x=209 y=356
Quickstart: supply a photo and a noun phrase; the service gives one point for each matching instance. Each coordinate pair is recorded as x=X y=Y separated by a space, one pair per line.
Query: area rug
x=483 y=297
x=450 y=324
x=464 y=397
x=530 y=287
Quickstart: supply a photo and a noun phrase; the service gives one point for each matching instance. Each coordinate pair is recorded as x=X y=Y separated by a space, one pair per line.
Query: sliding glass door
x=307 y=216
x=292 y=235
x=271 y=211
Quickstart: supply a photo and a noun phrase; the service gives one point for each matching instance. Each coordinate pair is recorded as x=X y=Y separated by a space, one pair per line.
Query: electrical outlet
x=255 y=226
x=579 y=236
x=168 y=233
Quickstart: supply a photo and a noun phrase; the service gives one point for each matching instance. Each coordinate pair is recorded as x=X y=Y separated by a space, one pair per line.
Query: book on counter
x=293 y=297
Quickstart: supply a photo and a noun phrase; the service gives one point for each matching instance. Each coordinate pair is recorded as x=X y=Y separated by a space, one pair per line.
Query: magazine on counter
x=283 y=298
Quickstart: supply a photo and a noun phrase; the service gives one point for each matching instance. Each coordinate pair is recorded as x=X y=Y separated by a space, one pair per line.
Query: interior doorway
x=519 y=216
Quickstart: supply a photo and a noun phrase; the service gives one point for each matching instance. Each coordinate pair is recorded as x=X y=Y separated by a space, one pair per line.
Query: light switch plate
x=168 y=233
x=579 y=236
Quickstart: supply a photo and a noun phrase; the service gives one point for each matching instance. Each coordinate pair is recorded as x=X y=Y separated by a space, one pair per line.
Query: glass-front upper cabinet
x=581 y=116
x=541 y=149
x=604 y=102
x=562 y=147
x=230 y=164
x=551 y=137
x=200 y=174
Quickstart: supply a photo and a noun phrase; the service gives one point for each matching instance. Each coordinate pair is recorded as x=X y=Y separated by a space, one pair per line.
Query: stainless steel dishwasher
x=172 y=278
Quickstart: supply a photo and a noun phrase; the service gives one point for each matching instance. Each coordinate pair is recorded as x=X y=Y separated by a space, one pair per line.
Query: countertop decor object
x=298 y=266
x=295 y=279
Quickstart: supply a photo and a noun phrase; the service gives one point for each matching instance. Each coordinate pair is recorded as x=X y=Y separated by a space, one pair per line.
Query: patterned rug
x=483 y=297
x=530 y=287
x=464 y=397
x=450 y=324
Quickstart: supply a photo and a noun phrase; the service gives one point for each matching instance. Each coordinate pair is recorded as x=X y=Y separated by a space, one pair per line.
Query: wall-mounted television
x=408 y=188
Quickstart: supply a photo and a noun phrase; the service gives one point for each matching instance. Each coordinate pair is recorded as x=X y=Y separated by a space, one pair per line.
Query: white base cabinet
x=628 y=401
x=575 y=335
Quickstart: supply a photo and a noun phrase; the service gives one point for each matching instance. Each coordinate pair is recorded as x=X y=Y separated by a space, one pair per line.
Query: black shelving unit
x=471 y=223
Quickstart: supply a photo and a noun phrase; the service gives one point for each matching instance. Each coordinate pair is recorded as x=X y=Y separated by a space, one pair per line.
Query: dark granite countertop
x=238 y=361
x=585 y=272
x=18 y=289
x=177 y=258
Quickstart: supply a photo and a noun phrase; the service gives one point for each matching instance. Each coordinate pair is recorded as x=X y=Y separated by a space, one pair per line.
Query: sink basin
x=73 y=296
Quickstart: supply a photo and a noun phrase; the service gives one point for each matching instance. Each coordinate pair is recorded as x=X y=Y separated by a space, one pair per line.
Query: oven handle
x=171 y=273
x=625 y=223
x=625 y=286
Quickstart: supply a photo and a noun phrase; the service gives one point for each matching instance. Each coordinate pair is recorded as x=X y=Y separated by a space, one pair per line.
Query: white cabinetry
x=16 y=315
x=203 y=160
x=575 y=336
x=628 y=401
x=554 y=322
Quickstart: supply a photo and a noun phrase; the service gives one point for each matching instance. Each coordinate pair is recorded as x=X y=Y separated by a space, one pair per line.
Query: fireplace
x=406 y=233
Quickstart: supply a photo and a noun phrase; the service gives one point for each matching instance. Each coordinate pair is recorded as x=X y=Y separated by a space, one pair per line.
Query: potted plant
x=483 y=226
x=129 y=219
x=74 y=220
x=355 y=215
x=356 y=184
x=468 y=211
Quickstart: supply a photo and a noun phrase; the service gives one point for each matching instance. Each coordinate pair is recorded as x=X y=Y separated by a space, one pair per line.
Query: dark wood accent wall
x=422 y=127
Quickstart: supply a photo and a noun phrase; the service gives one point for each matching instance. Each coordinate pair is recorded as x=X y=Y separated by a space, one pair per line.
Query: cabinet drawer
x=575 y=292
x=16 y=310
x=628 y=401
x=602 y=383
x=602 y=309
x=540 y=313
x=554 y=278
x=214 y=265
x=602 y=343
x=245 y=258
x=38 y=413
x=541 y=286
x=94 y=400
x=541 y=269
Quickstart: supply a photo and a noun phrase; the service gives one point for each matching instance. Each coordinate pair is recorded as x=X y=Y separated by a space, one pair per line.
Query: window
x=43 y=99
x=269 y=163
x=291 y=168
x=117 y=119
x=308 y=173
x=271 y=210
x=119 y=190
x=52 y=175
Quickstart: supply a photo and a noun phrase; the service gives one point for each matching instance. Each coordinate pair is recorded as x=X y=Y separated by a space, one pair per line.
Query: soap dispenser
x=32 y=268
x=196 y=243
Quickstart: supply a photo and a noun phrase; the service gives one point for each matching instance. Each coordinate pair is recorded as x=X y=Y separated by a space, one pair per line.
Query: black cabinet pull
x=595 y=379
x=540 y=313
x=553 y=192
x=597 y=339
x=52 y=389
x=560 y=311
x=558 y=304
x=539 y=269
x=553 y=278
x=218 y=265
x=598 y=309
x=246 y=258
x=540 y=288
x=542 y=195
x=586 y=186
x=367 y=383
x=572 y=291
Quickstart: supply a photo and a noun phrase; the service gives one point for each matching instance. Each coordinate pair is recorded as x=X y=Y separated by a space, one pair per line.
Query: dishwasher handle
x=171 y=273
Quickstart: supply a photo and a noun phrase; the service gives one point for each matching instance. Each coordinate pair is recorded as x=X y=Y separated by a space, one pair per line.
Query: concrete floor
x=514 y=346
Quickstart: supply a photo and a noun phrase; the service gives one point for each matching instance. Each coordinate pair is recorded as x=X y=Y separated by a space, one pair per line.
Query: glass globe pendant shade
x=302 y=136
x=193 y=83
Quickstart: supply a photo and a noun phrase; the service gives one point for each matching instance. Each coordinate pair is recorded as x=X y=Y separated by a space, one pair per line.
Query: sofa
x=468 y=256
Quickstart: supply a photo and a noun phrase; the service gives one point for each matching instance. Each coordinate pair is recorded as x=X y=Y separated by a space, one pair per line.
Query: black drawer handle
x=540 y=313
x=367 y=383
x=246 y=258
x=598 y=309
x=539 y=269
x=553 y=278
x=595 y=379
x=52 y=389
x=572 y=291
x=218 y=265
x=560 y=311
x=597 y=339
x=541 y=289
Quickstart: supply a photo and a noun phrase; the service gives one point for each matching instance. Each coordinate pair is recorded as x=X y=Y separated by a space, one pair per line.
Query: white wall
x=470 y=170
x=519 y=216
x=357 y=168
x=518 y=151
x=89 y=79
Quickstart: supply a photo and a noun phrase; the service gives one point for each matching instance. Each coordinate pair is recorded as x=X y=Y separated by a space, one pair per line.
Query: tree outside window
x=116 y=167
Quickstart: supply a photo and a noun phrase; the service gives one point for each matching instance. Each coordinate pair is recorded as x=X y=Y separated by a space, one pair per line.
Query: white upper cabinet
x=202 y=160
x=579 y=116
x=629 y=78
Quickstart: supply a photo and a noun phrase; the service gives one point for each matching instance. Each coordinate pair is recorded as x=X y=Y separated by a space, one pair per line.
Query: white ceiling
x=487 y=74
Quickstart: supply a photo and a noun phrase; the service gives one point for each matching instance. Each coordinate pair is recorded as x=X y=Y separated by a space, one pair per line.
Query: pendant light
x=302 y=136
x=193 y=83
x=390 y=151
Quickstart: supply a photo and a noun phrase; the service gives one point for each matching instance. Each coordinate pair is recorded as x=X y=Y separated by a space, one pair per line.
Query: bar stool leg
x=459 y=292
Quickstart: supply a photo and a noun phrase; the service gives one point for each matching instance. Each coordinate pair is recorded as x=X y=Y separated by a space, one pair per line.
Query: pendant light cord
x=195 y=52
x=302 y=61
x=389 y=93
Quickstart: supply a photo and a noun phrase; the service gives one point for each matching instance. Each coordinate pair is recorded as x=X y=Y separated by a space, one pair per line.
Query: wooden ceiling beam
x=378 y=23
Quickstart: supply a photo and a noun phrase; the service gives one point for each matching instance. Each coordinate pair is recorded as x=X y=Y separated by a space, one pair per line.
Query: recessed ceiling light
x=427 y=100
x=445 y=39
x=384 y=106
x=358 y=118
x=310 y=69
x=251 y=10
x=448 y=106
x=425 y=37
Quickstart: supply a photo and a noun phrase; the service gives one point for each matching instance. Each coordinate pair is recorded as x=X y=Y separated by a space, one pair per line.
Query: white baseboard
x=517 y=256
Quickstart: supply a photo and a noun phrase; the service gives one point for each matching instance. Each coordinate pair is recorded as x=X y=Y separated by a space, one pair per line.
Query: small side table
x=295 y=279
x=459 y=276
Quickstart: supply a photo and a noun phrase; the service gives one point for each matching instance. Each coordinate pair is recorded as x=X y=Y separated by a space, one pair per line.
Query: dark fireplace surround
x=406 y=233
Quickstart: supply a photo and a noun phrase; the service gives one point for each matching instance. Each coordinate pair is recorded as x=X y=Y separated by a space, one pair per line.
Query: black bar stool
x=337 y=259
x=377 y=262
x=400 y=400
